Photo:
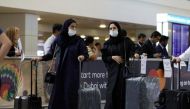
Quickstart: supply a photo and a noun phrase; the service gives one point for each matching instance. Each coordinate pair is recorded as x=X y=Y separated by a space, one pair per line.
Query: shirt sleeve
x=47 y=44
x=184 y=56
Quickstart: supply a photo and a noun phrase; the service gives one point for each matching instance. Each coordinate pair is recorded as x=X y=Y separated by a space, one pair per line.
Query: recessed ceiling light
x=106 y=39
x=82 y=36
x=96 y=38
x=102 y=26
x=39 y=18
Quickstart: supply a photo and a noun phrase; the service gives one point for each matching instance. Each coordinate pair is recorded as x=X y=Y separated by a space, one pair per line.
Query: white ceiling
x=83 y=22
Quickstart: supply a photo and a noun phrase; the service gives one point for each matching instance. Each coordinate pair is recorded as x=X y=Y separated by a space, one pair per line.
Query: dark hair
x=117 y=25
x=57 y=27
x=163 y=38
x=123 y=32
x=155 y=34
x=141 y=35
x=67 y=23
x=89 y=40
x=97 y=43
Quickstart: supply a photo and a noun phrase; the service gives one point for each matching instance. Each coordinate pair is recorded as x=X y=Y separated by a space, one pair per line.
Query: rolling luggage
x=141 y=92
x=174 y=99
x=32 y=101
x=89 y=98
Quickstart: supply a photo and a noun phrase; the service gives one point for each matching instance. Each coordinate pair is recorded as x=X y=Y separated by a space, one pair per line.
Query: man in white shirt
x=184 y=56
x=56 y=32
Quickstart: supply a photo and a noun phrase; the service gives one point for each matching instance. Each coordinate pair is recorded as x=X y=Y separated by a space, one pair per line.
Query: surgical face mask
x=71 y=32
x=113 y=33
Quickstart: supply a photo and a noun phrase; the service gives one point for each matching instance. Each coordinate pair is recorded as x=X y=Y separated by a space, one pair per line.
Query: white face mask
x=113 y=33
x=71 y=32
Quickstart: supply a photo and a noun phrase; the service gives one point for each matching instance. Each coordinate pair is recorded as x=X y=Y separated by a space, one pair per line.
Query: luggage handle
x=172 y=79
x=33 y=63
x=178 y=76
x=178 y=87
x=80 y=71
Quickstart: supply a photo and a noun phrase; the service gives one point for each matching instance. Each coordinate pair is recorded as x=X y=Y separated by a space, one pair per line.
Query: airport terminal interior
x=34 y=21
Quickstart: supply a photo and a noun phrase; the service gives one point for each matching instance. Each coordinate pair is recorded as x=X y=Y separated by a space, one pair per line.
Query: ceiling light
x=96 y=38
x=39 y=18
x=102 y=26
x=82 y=36
x=106 y=39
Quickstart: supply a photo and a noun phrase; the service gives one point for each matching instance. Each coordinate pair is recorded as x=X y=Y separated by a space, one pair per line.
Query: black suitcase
x=32 y=101
x=89 y=98
x=174 y=99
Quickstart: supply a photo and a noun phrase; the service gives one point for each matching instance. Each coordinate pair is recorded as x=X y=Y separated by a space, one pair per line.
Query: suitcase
x=174 y=98
x=89 y=98
x=141 y=92
x=32 y=101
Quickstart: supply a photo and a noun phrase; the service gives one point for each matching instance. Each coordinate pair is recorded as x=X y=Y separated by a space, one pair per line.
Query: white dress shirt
x=48 y=43
x=186 y=55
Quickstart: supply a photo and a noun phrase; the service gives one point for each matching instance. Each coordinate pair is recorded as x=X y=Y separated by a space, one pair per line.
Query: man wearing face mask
x=71 y=49
x=161 y=47
x=114 y=57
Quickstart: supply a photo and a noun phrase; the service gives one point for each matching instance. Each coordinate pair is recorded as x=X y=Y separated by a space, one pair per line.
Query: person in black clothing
x=70 y=49
x=161 y=47
x=124 y=34
x=141 y=40
x=149 y=47
x=113 y=56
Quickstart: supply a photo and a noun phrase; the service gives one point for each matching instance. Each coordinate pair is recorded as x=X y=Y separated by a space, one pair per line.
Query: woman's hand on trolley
x=117 y=59
x=81 y=58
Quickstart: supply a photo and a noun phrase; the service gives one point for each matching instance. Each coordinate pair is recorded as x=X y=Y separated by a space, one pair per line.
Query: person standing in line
x=161 y=47
x=113 y=56
x=71 y=49
x=92 y=51
x=141 y=40
x=14 y=35
x=5 y=44
x=149 y=47
x=56 y=32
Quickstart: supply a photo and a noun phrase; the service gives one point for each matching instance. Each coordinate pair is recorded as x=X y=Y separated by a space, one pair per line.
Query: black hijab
x=64 y=40
x=114 y=40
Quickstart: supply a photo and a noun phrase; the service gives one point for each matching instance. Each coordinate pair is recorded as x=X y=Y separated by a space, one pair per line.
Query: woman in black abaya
x=113 y=56
x=71 y=49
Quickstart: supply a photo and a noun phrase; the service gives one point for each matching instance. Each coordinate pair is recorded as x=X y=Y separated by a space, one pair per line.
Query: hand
x=136 y=55
x=37 y=59
x=157 y=55
x=144 y=54
x=17 y=52
x=81 y=58
x=117 y=59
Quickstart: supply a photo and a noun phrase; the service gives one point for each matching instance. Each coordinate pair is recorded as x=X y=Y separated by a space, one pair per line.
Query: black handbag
x=50 y=75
